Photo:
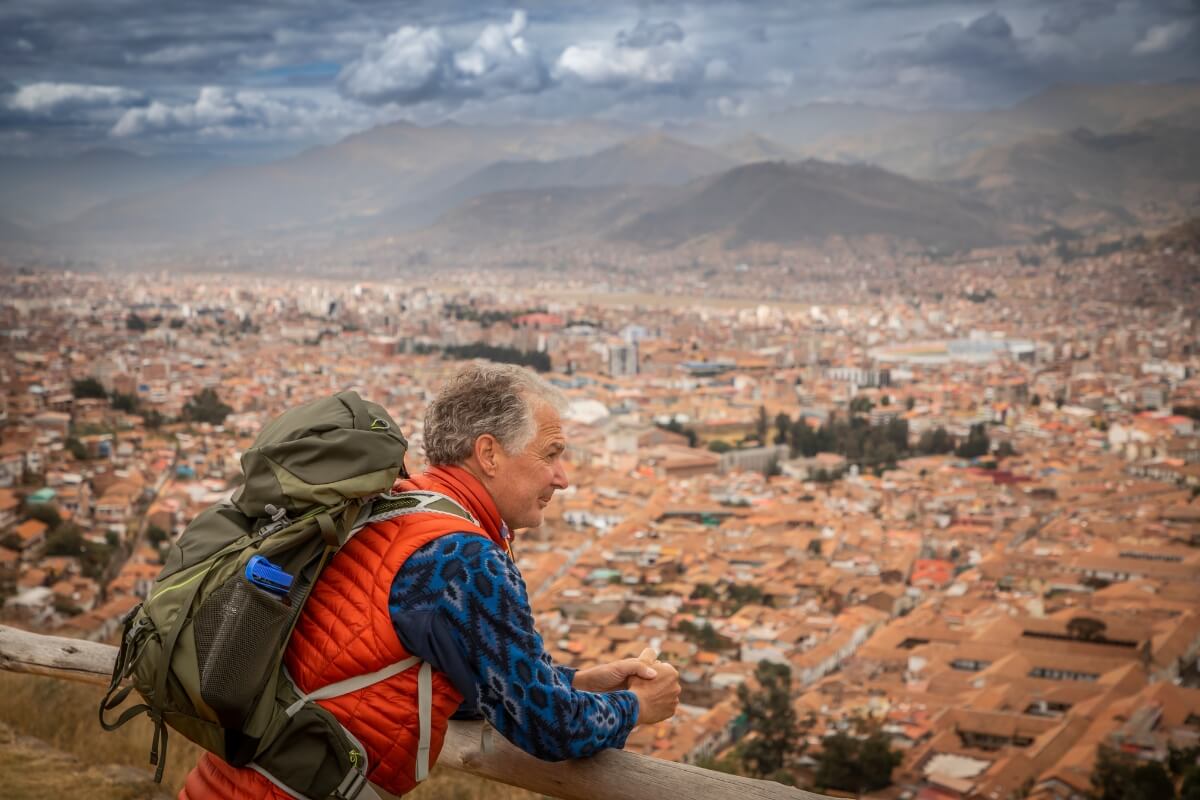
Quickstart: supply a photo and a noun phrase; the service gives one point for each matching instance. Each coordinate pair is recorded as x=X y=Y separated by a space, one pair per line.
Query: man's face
x=526 y=481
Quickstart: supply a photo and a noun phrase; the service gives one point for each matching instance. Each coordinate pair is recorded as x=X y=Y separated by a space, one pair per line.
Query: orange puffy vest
x=345 y=630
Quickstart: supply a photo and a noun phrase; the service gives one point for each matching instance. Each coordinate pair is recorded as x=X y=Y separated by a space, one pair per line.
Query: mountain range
x=1079 y=157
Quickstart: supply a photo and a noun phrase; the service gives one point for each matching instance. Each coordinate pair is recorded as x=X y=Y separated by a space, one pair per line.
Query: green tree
x=206 y=406
x=155 y=534
x=861 y=404
x=124 y=402
x=76 y=448
x=719 y=446
x=1190 y=788
x=705 y=636
x=1087 y=629
x=856 y=765
x=935 y=442
x=762 y=425
x=1118 y=776
x=135 y=323
x=976 y=445
x=783 y=425
x=740 y=595
x=46 y=513
x=88 y=387
x=1182 y=759
x=769 y=714
x=65 y=540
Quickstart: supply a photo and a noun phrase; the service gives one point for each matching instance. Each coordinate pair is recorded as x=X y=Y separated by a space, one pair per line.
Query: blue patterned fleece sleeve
x=460 y=603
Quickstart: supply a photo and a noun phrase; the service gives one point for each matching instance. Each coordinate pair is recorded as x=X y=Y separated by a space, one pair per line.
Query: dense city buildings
x=956 y=499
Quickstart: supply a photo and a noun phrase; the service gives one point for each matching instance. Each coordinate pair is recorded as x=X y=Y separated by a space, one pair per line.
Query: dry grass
x=88 y=762
x=33 y=770
x=64 y=715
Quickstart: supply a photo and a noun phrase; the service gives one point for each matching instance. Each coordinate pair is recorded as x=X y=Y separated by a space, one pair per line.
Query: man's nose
x=560 y=476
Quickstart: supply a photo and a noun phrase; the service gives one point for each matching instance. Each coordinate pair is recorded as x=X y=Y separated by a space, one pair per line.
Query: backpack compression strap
x=355 y=784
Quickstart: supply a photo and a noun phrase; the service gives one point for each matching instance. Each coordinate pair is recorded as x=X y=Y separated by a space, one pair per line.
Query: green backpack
x=205 y=650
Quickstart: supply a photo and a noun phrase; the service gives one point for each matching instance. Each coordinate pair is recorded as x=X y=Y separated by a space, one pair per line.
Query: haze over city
x=878 y=323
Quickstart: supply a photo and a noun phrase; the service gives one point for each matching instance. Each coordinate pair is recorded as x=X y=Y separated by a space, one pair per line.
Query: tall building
x=623 y=360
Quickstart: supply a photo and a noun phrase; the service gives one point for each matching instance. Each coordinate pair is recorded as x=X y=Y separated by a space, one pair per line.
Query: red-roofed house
x=931 y=573
x=29 y=536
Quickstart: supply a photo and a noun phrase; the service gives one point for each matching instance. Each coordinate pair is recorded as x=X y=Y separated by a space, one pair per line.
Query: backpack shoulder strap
x=391 y=506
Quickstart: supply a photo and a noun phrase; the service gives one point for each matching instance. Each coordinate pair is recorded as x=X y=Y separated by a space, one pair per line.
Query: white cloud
x=1161 y=38
x=52 y=98
x=415 y=65
x=670 y=64
x=174 y=54
x=730 y=107
x=407 y=66
x=653 y=56
x=222 y=114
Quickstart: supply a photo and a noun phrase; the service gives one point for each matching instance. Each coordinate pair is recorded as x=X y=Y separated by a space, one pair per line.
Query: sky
x=242 y=76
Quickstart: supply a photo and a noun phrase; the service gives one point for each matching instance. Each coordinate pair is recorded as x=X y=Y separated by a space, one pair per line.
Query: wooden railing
x=612 y=774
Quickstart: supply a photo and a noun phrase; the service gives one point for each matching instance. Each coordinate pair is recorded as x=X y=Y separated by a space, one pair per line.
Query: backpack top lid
x=321 y=454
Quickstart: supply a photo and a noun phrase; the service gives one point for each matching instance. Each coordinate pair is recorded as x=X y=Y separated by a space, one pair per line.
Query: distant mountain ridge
x=40 y=191
x=765 y=202
x=987 y=176
x=931 y=144
x=1081 y=179
x=650 y=160
x=362 y=175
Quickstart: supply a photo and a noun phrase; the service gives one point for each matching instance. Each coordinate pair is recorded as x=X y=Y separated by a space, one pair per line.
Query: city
x=963 y=516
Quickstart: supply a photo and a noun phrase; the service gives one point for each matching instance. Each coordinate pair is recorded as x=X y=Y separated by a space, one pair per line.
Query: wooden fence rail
x=612 y=774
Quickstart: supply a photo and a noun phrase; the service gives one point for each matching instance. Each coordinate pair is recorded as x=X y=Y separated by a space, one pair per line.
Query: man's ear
x=486 y=451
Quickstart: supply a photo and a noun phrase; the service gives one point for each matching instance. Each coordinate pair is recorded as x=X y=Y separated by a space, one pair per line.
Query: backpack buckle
x=279 y=520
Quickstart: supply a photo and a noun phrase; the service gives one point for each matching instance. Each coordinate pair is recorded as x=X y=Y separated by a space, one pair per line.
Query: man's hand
x=612 y=676
x=658 y=697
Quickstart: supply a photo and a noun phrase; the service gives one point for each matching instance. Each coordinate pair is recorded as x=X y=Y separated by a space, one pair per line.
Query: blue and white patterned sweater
x=460 y=603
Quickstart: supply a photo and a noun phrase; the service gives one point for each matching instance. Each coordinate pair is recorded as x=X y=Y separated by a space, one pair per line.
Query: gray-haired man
x=434 y=586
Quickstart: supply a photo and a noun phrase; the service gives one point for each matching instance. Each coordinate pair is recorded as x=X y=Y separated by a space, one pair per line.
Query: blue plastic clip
x=263 y=573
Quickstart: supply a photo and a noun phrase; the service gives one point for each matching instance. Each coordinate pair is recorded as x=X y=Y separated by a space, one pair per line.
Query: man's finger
x=648 y=656
x=635 y=667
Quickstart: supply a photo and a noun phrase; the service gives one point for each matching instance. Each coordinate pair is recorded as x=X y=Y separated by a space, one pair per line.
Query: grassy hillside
x=33 y=770
x=51 y=745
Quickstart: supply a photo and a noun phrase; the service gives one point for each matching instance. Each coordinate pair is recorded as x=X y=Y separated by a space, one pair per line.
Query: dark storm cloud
x=232 y=71
x=1065 y=17
x=650 y=34
x=986 y=42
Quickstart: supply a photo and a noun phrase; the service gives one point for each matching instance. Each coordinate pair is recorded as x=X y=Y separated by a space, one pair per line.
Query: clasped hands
x=656 y=684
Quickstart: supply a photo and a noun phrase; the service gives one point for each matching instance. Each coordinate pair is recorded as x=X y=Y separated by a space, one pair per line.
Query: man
x=434 y=586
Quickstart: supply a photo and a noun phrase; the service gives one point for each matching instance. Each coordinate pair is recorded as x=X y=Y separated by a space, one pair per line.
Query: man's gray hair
x=486 y=398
